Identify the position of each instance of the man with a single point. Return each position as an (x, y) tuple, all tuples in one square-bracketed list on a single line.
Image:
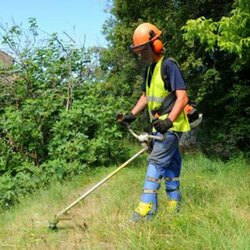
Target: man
[(164, 162)]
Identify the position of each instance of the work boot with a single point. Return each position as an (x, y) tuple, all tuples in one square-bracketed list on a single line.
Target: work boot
[(143, 212), (173, 206)]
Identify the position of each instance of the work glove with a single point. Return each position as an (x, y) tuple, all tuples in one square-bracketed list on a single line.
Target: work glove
[(162, 126), (127, 119)]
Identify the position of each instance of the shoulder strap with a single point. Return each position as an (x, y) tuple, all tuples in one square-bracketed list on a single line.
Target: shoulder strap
[(164, 73)]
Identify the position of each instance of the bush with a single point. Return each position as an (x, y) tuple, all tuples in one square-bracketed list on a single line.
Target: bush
[(55, 118)]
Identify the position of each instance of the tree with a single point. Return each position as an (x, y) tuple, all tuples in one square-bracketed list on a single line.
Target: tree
[(225, 101)]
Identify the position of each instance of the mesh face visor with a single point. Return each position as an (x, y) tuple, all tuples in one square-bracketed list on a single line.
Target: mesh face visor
[(143, 54)]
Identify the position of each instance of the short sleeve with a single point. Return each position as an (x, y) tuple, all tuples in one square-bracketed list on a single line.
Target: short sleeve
[(175, 76)]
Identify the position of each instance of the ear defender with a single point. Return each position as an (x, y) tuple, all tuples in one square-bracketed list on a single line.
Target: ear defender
[(157, 46)]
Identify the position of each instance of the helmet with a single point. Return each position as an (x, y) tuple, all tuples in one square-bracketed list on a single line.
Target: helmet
[(146, 33)]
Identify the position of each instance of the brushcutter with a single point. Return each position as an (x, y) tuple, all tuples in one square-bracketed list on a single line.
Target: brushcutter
[(144, 138)]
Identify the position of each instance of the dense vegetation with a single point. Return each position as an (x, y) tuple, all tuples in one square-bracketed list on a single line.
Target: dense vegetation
[(56, 117), (58, 101)]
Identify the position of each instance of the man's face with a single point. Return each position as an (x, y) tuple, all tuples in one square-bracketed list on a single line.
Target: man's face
[(144, 55)]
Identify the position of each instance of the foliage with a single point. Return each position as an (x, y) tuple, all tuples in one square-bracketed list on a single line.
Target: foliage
[(55, 115), (225, 101), (230, 34)]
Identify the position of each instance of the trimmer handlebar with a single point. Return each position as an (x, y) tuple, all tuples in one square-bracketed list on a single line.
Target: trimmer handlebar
[(145, 137)]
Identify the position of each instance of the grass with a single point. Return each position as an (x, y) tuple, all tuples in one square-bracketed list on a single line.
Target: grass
[(215, 213)]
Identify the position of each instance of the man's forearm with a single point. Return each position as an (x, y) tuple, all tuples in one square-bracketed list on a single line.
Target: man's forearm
[(140, 105), (180, 103)]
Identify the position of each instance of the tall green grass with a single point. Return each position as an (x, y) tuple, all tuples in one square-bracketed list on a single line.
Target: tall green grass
[(215, 212)]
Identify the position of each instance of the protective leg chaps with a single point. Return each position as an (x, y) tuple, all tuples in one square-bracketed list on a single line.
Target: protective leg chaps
[(172, 185)]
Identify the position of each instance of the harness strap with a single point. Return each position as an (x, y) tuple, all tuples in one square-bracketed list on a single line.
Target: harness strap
[(150, 191), (152, 179), (171, 179)]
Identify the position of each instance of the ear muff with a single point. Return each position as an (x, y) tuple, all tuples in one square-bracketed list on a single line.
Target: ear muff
[(157, 46)]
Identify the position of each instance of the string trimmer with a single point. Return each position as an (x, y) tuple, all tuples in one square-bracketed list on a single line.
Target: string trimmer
[(144, 138)]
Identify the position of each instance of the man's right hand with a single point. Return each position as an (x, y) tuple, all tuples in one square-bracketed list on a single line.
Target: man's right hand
[(127, 119)]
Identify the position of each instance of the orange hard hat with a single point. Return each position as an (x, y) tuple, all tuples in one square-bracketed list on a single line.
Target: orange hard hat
[(145, 33)]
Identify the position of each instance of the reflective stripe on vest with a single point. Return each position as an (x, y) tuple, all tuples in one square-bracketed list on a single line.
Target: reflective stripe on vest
[(155, 99), (156, 92)]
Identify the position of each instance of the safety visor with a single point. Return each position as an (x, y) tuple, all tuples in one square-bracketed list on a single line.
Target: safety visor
[(137, 49), (143, 54)]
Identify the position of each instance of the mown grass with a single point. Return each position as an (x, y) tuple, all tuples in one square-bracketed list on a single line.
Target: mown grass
[(215, 212)]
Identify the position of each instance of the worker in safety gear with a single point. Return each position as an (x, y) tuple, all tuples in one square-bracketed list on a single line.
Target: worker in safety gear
[(164, 161)]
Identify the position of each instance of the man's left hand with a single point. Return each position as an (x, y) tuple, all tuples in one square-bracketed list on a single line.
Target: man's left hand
[(163, 126)]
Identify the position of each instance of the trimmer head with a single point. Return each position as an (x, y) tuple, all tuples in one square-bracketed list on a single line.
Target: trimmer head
[(53, 224)]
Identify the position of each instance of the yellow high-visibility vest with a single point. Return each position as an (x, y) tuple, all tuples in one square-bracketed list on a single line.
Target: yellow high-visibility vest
[(156, 93)]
